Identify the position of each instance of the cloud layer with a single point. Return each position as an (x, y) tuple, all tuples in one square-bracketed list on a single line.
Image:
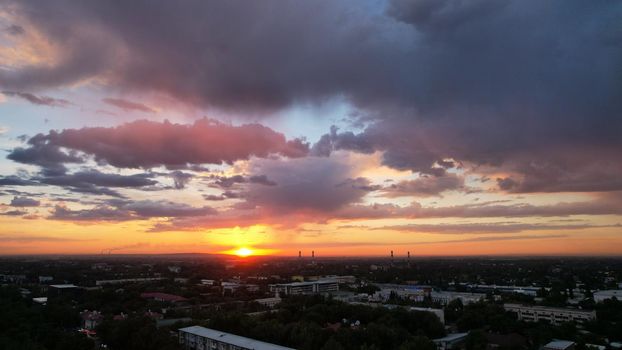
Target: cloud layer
[(149, 144)]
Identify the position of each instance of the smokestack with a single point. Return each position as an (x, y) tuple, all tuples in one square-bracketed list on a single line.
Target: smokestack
[(299, 254), (313, 253), (391, 254)]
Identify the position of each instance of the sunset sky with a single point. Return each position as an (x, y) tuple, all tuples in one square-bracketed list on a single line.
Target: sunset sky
[(348, 127)]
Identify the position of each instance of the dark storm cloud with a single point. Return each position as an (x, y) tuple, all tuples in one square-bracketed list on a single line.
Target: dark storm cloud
[(89, 181), (502, 83), (48, 156), (98, 183), (13, 180), (97, 178), (230, 54), (128, 106), (38, 100), (226, 182), (147, 144), (24, 202), (472, 57)]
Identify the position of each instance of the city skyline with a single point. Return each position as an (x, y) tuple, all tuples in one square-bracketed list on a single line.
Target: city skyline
[(345, 128)]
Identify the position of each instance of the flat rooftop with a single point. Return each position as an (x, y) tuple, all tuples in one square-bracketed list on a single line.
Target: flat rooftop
[(233, 339), (63, 286)]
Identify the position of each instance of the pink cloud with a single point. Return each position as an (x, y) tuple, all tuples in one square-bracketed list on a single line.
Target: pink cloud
[(147, 144)]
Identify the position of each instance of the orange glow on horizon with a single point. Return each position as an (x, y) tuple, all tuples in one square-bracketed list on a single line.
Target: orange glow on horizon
[(243, 252)]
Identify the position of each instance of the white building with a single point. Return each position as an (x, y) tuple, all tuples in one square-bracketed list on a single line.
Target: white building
[(553, 315), (603, 295), (314, 287), (201, 338)]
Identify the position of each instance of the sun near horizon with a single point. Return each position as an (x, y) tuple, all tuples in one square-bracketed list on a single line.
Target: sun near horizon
[(243, 252)]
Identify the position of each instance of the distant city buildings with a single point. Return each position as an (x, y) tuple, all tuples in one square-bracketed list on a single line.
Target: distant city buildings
[(201, 338), (164, 297), (128, 280), (553, 315)]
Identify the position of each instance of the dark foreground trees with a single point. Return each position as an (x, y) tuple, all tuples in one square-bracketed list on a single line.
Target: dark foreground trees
[(315, 322), (24, 326)]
